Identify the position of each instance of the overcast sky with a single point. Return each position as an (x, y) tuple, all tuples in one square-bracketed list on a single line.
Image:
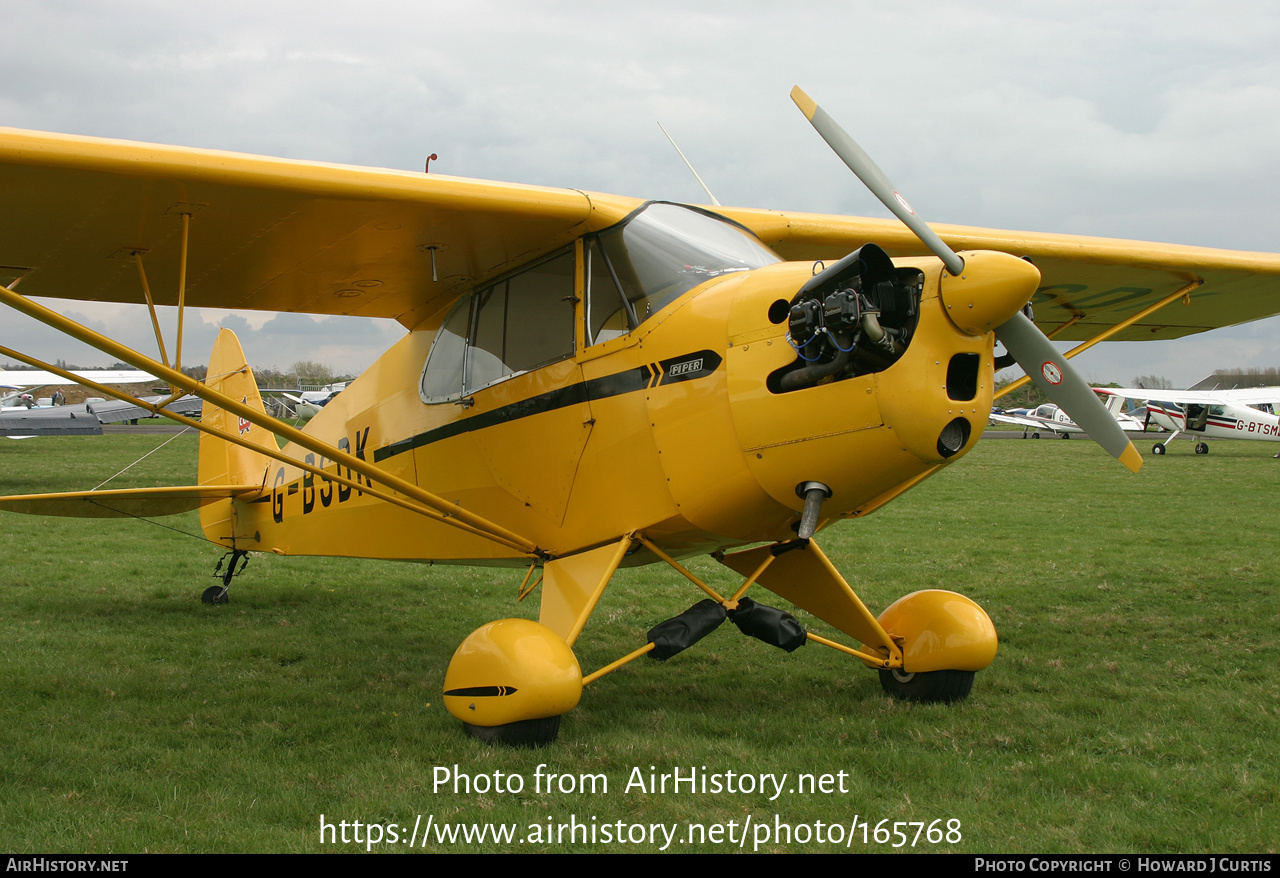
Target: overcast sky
[(1156, 121)]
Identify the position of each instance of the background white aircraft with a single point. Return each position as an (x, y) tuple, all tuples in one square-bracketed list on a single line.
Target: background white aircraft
[(1049, 417), (19, 381), (23, 415), (308, 404), (1210, 414)]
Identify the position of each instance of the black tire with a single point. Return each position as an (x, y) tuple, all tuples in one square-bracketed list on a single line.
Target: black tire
[(215, 594), (928, 687), (1157, 449), (1035, 435), (1066, 435), (524, 733), (1202, 448)]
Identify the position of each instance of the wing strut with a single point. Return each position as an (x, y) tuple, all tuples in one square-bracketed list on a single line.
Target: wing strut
[(182, 288), (1183, 293), (176, 379), (1075, 318), (182, 296), (151, 306)]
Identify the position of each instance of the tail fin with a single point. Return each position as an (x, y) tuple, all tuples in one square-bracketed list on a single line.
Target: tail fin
[(221, 462), (1115, 404)]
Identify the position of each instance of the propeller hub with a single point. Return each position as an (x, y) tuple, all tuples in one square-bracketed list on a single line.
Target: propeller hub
[(992, 288)]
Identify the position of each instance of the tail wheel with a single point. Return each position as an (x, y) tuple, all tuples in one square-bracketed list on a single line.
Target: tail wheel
[(215, 594), (1202, 448), (523, 733), (927, 686)]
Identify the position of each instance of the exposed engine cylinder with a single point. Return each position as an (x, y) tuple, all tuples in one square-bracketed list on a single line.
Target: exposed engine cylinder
[(854, 317)]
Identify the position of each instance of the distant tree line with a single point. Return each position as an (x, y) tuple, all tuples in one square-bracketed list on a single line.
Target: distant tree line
[(63, 364), (1253, 376), (304, 373), (1029, 396)]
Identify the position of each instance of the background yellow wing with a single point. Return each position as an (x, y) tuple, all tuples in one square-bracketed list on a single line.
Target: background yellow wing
[(1100, 280), (266, 233)]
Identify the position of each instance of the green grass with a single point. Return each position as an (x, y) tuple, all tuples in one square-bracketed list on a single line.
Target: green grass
[(1133, 706)]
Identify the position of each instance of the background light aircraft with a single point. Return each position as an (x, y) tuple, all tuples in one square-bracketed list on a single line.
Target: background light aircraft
[(590, 381), (23, 416), (1208, 414), (308, 403), (1051, 418), (87, 418), (19, 381), (299, 405)]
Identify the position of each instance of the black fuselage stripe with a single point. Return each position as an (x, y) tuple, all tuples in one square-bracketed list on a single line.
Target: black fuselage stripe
[(584, 391)]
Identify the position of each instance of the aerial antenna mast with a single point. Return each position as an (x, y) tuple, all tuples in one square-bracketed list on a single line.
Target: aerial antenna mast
[(691, 170)]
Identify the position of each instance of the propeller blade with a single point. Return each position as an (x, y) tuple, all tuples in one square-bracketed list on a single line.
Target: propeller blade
[(1063, 385), (1030, 348), (874, 179)]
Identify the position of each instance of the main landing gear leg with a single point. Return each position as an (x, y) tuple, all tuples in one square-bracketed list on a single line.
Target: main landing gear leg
[(927, 646), (1162, 447), (511, 680)]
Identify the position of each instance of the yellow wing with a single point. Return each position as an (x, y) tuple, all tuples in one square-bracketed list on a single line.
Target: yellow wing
[(266, 233), (1101, 281), (283, 235)]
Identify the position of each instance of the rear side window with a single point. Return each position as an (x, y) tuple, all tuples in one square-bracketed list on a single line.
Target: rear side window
[(511, 327)]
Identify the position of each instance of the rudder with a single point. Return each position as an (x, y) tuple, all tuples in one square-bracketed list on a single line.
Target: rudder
[(223, 462)]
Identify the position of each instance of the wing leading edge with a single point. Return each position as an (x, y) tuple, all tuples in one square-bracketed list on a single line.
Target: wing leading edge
[(1243, 396)]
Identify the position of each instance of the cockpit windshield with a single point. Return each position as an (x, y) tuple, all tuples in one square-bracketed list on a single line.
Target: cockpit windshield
[(656, 256), (526, 319)]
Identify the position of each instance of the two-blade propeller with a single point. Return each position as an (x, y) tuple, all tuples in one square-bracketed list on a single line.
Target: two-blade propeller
[(1030, 348)]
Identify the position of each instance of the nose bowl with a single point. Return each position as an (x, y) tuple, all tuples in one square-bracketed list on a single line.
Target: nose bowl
[(992, 288)]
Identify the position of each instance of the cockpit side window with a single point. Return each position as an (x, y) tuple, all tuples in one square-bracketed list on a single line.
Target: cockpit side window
[(515, 325), (442, 379), (608, 312), (539, 314)]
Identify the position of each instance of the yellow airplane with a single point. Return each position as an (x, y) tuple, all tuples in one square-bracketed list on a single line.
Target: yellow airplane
[(589, 381)]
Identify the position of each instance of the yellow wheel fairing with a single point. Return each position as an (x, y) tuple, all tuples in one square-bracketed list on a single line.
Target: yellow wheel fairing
[(511, 670), (940, 630)]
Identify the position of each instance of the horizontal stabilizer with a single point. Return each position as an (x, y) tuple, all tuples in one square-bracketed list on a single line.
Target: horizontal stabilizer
[(124, 503)]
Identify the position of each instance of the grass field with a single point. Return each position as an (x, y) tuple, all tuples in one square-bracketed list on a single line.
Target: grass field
[(1134, 705)]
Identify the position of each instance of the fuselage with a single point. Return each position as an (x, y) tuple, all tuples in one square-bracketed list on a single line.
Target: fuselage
[(1216, 420), (691, 417)]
